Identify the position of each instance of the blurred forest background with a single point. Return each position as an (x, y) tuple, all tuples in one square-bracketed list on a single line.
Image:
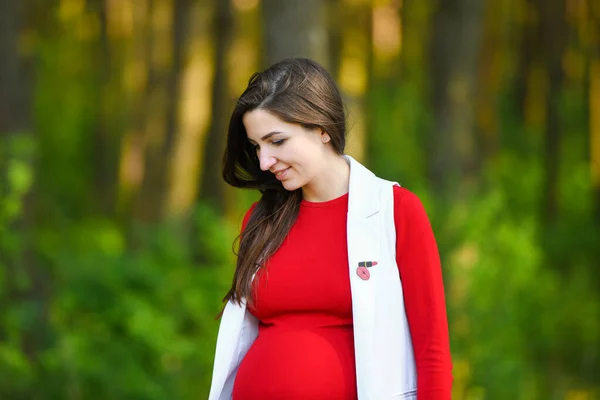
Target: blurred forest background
[(116, 230)]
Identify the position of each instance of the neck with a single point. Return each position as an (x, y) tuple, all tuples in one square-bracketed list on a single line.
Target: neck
[(332, 182)]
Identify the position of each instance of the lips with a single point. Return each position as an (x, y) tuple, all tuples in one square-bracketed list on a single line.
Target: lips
[(281, 174)]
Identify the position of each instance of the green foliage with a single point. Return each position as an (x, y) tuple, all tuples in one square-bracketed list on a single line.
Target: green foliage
[(125, 323), (518, 319)]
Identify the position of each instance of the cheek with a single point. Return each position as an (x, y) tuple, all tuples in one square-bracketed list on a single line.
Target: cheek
[(309, 156), (305, 156)]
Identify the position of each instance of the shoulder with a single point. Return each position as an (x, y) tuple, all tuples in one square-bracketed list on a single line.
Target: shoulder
[(404, 200), (404, 196), (407, 204)]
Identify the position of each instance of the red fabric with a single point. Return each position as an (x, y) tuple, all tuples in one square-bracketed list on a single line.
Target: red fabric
[(305, 345), (419, 264)]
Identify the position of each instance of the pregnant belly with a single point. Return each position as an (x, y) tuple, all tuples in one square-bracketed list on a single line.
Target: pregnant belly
[(298, 365)]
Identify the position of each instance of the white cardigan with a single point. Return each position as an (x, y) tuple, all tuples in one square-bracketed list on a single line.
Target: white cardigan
[(385, 365)]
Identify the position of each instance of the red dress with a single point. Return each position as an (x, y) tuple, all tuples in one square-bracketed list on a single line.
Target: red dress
[(304, 348)]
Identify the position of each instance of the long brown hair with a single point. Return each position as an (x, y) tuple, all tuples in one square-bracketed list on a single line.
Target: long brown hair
[(297, 90)]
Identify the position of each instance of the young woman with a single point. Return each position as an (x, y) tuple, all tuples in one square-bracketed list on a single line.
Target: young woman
[(338, 291)]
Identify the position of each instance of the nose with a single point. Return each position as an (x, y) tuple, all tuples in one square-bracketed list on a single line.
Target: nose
[(266, 161)]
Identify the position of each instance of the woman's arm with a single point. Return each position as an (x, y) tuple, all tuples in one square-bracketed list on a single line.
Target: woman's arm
[(420, 270)]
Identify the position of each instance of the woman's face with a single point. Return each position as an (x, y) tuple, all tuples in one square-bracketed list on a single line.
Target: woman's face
[(294, 154)]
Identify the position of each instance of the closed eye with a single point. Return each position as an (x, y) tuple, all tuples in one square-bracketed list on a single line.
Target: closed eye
[(274, 143)]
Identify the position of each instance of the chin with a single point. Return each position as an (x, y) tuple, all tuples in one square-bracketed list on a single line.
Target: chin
[(293, 184), (290, 186)]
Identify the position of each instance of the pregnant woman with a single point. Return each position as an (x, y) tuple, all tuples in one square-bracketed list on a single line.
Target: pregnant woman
[(337, 292)]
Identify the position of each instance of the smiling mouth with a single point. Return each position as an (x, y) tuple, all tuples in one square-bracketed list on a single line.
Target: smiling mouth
[(281, 174)]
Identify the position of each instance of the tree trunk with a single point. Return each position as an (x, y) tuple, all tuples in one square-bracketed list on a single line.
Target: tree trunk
[(456, 49), (527, 43), (211, 183), (179, 31), (490, 83), (554, 34), (105, 151), (295, 28), (593, 104), (335, 24), (161, 121), (26, 283), (593, 107), (132, 159), (354, 79), (14, 101)]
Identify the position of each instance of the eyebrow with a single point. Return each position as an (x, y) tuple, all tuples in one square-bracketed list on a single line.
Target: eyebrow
[(268, 135)]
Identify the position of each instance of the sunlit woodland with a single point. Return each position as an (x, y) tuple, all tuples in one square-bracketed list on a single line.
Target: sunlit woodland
[(117, 231)]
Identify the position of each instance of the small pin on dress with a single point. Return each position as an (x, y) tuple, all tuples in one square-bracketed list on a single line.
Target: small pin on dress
[(362, 270)]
